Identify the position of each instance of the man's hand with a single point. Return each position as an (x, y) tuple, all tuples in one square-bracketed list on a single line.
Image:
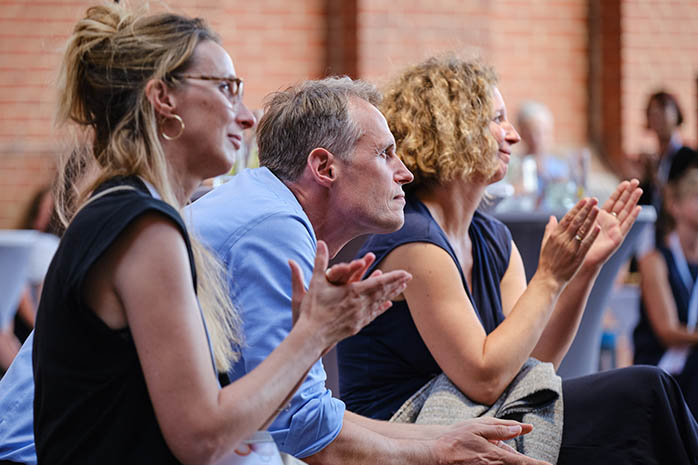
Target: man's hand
[(340, 310), (479, 442), (345, 273)]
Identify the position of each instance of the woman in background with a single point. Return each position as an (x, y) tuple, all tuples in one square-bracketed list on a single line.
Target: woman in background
[(666, 333), (41, 217)]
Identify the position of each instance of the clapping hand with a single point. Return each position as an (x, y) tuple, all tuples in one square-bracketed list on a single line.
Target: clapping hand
[(480, 441), (615, 219), (338, 303), (565, 244)]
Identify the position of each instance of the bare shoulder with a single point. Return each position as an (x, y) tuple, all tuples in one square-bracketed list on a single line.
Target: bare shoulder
[(149, 249), (418, 258), (434, 273)]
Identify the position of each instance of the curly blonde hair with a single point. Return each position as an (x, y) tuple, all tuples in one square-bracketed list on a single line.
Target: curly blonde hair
[(439, 112)]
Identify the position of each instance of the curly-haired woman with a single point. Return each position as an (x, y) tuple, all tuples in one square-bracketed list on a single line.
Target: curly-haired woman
[(468, 327)]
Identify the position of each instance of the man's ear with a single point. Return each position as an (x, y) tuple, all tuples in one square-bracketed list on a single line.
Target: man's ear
[(323, 166), (161, 98)]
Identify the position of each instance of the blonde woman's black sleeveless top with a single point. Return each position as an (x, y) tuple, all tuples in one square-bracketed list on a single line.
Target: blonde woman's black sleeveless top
[(91, 403)]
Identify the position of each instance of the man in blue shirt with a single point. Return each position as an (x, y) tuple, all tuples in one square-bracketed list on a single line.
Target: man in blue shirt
[(329, 172)]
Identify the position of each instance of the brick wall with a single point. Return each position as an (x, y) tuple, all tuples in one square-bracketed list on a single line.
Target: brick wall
[(540, 48), (272, 42), (391, 37), (28, 60)]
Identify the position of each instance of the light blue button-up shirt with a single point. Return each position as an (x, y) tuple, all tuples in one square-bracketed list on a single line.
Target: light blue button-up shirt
[(17, 408), (255, 225)]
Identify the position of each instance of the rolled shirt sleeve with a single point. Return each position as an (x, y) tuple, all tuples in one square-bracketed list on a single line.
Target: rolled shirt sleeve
[(261, 290)]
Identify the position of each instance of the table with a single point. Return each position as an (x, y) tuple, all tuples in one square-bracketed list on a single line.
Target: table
[(527, 231)]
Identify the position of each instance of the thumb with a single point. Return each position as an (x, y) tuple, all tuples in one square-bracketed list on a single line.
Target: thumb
[(549, 228), (297, 289), (321, 260), (500, 432)]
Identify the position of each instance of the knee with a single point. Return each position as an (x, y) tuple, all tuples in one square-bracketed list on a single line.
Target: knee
[(649, 374), (646, 380)]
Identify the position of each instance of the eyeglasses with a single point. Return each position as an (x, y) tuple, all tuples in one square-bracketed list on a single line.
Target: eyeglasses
[(231, 87)]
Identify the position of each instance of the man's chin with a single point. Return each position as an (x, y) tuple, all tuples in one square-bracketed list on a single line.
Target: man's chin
[(392, 225)]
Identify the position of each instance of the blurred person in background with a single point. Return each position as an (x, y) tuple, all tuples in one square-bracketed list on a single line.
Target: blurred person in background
[(40, 216), (666, 333), (541, 178), (537, 171), (664, 119)]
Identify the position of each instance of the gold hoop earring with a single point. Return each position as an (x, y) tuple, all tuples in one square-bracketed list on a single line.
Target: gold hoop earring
[(181, 129)]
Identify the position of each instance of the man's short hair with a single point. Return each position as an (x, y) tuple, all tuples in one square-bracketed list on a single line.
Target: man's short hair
[(307, 116)]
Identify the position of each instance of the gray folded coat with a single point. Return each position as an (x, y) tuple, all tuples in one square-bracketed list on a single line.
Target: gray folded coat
[(534, 396)]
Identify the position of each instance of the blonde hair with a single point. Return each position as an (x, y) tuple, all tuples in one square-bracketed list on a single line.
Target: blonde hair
[(109, 59), (439, 112)]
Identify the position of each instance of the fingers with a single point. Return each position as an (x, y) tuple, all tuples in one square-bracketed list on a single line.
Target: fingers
[(375, 273), (623, 199), (386, 293), (627, 215), (525, 427), (567, 219), (587, 242), (587, 225), (584, 216), (509, 455), (297, 283), (611, 201), (344, 273), (504, 445), (380, 289), (498, 432), (630, 219), (382, 281), (340, 273), (367, 260)]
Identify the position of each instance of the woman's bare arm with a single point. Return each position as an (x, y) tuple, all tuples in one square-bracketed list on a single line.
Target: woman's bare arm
[(148, 271), (660, 304), (483, 365), (615, 219)]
